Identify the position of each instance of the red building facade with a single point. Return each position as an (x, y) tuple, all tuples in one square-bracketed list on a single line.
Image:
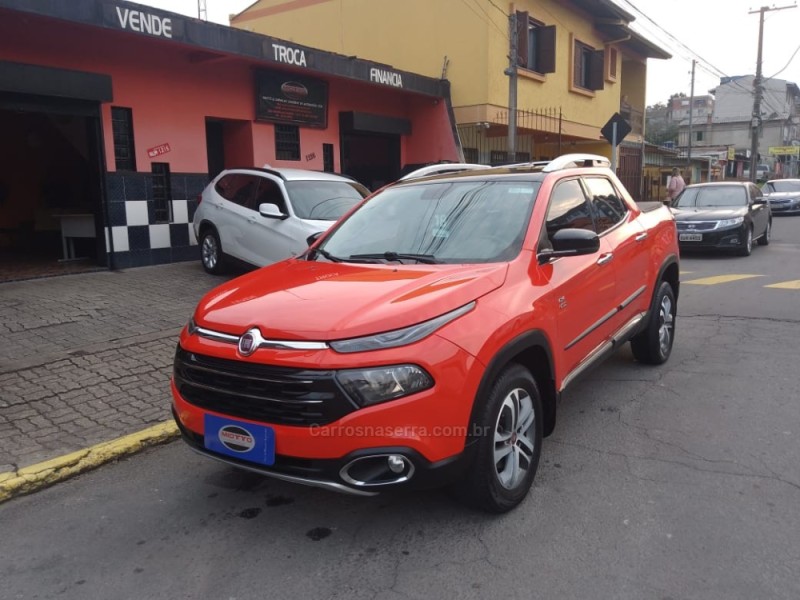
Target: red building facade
[(115, 116)]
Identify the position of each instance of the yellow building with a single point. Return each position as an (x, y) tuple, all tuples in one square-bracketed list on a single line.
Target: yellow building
[(579, 63)]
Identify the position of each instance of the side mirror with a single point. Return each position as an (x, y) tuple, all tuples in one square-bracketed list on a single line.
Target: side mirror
[(271, 211), (761, 200), (570, 242), (313, 238)]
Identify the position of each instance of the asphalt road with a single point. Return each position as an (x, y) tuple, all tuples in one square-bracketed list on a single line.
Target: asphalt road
[(668, 483)]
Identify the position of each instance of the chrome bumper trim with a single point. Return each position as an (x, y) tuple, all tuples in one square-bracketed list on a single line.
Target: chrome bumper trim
[(326, 485)]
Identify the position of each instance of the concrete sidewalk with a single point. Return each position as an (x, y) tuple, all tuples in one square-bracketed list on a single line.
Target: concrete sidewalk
[(85, 362)]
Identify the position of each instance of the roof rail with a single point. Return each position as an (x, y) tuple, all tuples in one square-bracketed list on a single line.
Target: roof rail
[(442, 168), (576, 160)]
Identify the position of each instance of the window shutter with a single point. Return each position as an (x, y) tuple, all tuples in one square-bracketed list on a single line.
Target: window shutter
[(523, 20), (595, 78), (577, 61), (547, 49)]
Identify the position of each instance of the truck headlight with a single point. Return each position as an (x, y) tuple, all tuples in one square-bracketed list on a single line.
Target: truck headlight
[(399, 337), (379, 384), (730, 222)]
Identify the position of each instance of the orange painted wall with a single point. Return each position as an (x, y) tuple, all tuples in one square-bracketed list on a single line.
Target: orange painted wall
[(172, 89)]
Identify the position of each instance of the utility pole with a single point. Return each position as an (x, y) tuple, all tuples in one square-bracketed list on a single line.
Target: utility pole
[(755, 124), (512, 87), (691, 119)]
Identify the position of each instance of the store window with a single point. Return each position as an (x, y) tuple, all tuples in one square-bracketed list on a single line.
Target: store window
[(122, 129), (162, 192), (287, 142)]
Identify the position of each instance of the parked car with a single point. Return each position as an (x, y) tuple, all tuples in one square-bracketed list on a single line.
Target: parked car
[(425, 339), (724, 215), (762, 173), (262, 216), (783, 196)]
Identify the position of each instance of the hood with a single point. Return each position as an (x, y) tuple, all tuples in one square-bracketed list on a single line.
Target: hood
[(709, 214), (783, 195), (308, 300)]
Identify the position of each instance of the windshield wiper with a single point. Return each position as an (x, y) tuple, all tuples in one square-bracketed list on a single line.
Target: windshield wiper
[(429, 259), (328, 255)]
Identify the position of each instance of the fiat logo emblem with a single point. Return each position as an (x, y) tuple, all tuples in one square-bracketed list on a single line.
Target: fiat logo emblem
[(249, 342)]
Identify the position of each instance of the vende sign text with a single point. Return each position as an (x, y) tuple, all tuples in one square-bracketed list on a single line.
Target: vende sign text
[(142, 22)]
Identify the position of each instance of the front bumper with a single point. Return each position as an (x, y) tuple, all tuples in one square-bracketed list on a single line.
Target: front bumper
[(732, 238), (428, 429), (786, 208), (327, 473)]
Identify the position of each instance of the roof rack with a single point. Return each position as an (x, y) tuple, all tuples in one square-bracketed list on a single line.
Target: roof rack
[(442, 168), (576, 160)]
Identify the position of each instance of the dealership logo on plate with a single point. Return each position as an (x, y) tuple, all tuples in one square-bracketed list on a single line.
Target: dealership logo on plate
[(236, 439)]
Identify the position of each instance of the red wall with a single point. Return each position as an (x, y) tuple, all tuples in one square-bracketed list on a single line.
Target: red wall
[(173, 88)]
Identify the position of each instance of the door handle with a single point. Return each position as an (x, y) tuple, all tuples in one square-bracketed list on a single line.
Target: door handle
[(641, 237), (605, 258)]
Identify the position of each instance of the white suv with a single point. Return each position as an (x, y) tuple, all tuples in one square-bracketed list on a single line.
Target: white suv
[(262, 216)]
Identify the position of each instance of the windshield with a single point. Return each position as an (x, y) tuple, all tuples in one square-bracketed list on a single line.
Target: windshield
[(452, 222), (711, 196), (783, 186), (324, 200)]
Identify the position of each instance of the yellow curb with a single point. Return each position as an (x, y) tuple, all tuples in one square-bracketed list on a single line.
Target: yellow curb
[(43, 474)]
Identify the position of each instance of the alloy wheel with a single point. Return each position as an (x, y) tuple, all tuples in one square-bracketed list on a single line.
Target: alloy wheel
[(666, 323), (514, 438), (210, 251)]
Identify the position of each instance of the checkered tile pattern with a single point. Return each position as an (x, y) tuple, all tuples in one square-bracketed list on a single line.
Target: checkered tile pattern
[(139, 234), (137, 237)]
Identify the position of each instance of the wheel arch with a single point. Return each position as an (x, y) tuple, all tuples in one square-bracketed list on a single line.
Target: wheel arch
[(205, 225), (531, 350), (669, 272)]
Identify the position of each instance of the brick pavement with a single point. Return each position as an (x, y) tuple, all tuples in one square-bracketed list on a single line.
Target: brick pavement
[(86, 358)]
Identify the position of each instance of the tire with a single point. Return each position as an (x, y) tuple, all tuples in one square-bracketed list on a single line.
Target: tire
[(211, 254), (747, 247), (765, 239), (509, 423), (653, 346)]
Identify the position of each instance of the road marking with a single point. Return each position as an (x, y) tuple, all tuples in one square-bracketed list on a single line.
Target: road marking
[(786, 285), (686, 272), (720, 279)]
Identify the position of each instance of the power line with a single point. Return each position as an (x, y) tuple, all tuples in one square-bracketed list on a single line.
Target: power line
[(787, 64), (483, 16), (717, 72)]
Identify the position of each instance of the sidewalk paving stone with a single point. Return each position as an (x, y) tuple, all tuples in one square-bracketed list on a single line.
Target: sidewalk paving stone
[(86, 358)]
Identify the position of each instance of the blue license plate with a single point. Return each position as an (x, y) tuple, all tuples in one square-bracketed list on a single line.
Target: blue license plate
[(254, 443)]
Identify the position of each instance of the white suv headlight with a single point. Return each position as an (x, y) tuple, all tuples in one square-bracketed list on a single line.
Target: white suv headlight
[(730, 222), (399, 337)]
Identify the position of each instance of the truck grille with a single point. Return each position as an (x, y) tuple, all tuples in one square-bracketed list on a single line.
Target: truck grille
[(264, 393)]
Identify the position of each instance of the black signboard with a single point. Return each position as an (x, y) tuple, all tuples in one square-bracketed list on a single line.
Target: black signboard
[(292, 99), (623, 128)]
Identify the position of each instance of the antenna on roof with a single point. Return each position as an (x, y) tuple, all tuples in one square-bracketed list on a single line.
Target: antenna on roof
[(202, 13)]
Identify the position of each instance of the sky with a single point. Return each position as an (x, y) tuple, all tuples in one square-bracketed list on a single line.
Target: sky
[(720, 35)]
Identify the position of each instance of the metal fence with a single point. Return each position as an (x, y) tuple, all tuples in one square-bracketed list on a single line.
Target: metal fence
[(538, 137)]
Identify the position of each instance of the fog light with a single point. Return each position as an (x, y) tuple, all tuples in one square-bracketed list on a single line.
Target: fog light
[(396, 463)]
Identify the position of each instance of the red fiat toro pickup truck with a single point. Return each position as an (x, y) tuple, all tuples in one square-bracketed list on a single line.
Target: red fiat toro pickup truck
[(426, 338)]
